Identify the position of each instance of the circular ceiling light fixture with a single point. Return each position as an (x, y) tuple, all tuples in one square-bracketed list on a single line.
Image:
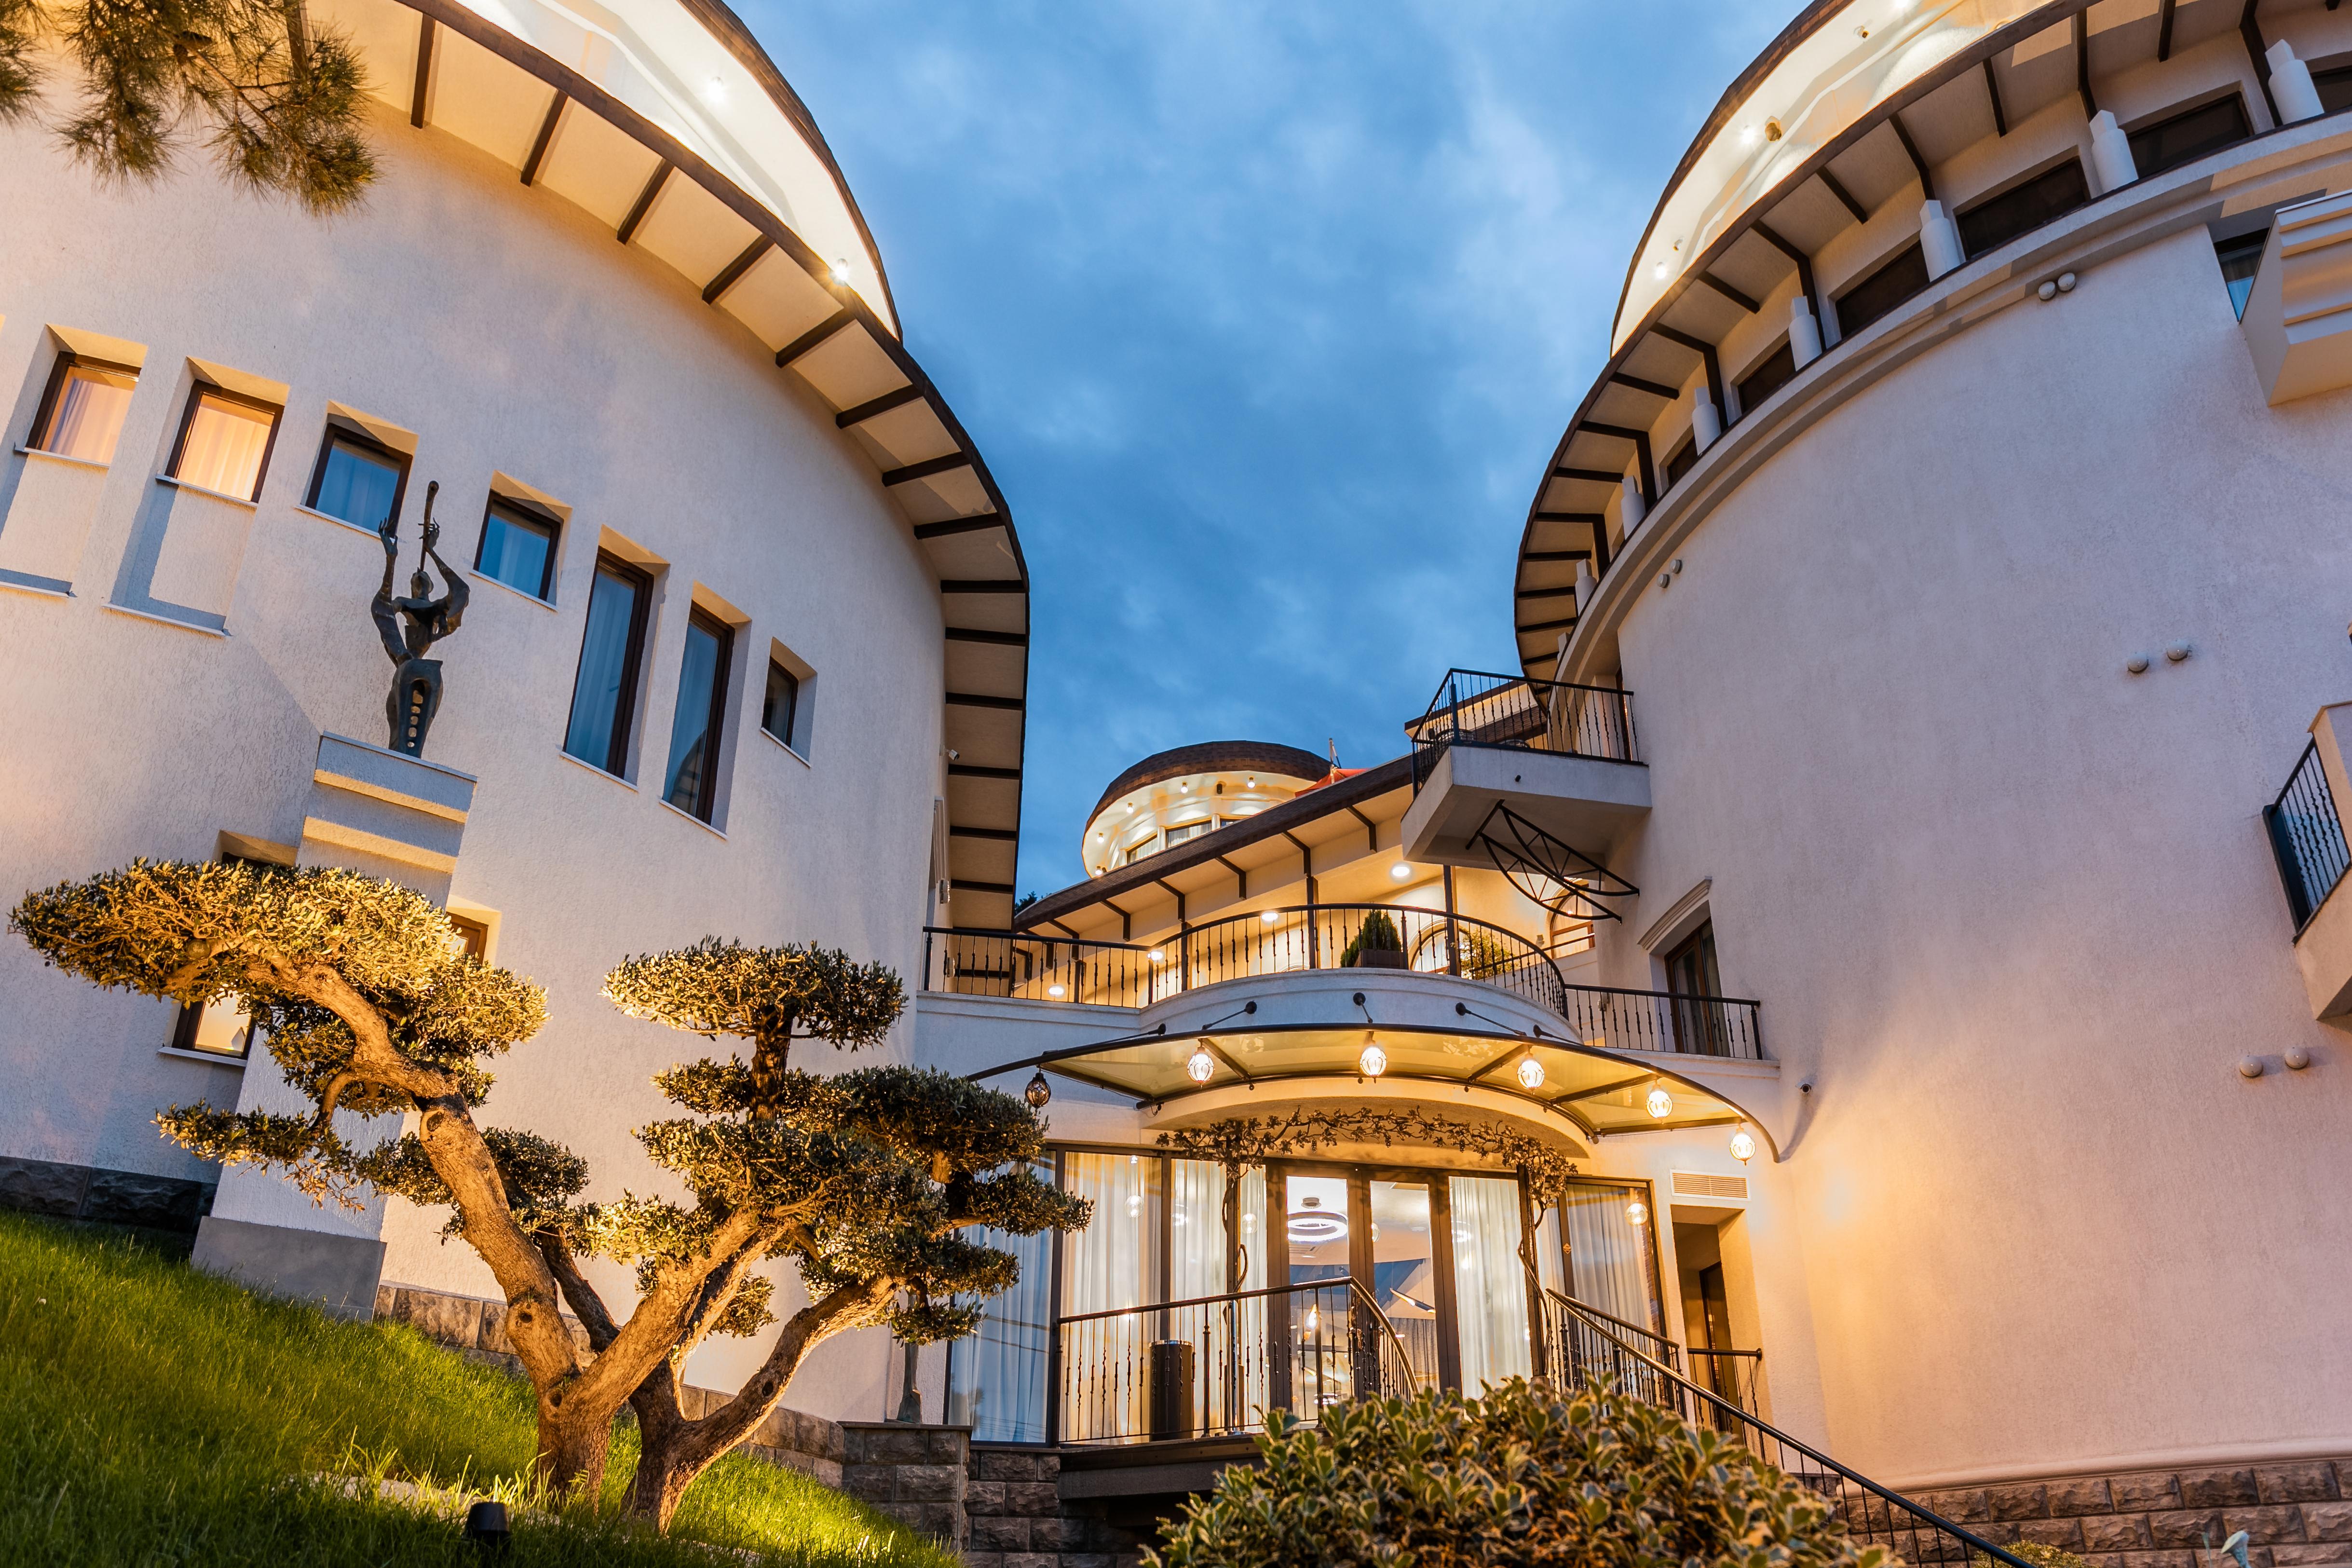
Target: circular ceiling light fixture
[(1038, 1092), (1158, 955), (841, 269), (1660, 1104), (1268, 917), (1201, 1066), (1530, 1072), (1743, 1146), (1313, 1227), (1057, 991), (1373, 1061), (1400, 871)]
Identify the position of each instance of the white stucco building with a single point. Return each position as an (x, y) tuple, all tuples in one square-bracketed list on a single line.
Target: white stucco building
[(744, 647)]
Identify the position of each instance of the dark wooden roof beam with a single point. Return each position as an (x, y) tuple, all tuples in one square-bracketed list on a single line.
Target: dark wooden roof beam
[(993, 835), (946, 527), (877, 407), (1533, 626), (1655, 389), (545, 139), (1728, 291), (975, 700), (999, 639), (927, 467), (1829, 181), (1992, 83), (974, 771), (1911, 151), (982, 585), (645, 202), (1591, 476), (732, 273), (815, 336)]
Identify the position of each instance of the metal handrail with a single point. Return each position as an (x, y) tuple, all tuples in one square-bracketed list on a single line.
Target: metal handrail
[(1959, 1543), (2306, 834), (1483, 708)]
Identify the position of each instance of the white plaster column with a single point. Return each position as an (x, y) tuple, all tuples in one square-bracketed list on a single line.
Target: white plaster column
[(1804, 333), (2291, 87), (2111, 154), (1939, 239), (1705, 422)]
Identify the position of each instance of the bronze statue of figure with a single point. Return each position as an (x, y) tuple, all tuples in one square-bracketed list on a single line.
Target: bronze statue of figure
[(416, 679)]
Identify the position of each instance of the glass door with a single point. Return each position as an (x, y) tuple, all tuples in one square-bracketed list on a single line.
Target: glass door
[(1404, 1267), (1320, 1237)]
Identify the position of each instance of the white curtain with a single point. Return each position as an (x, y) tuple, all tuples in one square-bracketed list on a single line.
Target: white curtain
[(223, 451), (1108, 1265), (996, 1379), (88, 418), (1610, 1258), (1490, 1285)]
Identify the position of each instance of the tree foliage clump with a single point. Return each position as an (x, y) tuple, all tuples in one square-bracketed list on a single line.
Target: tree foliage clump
[(866, 1182), (1527, 1475), (279, 99)]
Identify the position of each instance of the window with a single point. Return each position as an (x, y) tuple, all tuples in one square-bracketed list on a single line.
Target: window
[(2028, 205), (1690, 967), (1681, 460), (1149, 844), (1770, 373), (1701, 1027), (780, 709), (357, 479), (222, 1027), (225, 442), (1189, 830), (2239, 258), (2187, 136), (605, 693), (82, 408), (470, 937), (2335, 87), (1897, 278), (517, 547), (700, 723)]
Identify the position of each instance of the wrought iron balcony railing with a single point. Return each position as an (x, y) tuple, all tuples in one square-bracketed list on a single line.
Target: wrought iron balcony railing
[(1477, 708), (2307, 836)]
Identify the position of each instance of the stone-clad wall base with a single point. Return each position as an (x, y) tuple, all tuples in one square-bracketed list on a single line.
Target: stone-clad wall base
[(2295, 1515), (1018, 1519), (97, 1196), (917, 1475), (790, 1439)]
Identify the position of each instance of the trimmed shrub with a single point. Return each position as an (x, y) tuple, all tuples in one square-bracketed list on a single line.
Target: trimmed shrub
[(1377, 934), (1527, 1475)]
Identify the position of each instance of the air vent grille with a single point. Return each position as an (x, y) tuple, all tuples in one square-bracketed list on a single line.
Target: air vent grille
[(1704, 1184)]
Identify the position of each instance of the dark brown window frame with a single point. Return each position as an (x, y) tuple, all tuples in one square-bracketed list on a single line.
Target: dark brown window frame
[(1749, 405), (714, 734), (2011, 186), (340, 430), (533, 511), (1885, 264), (2230, 94), (198, 390), (624, 729), (792, 707), (37, 438)]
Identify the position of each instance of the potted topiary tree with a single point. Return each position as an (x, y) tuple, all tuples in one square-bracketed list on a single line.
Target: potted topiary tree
[(1377, 944)]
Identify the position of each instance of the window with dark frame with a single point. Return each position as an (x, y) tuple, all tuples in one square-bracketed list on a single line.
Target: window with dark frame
[(1768, 375), (2241, 257), (1681, 460), (224, 441), (1896, 279), (2335, 86), (471, 936), (220, 1028), (780, 709), (701, 724), (1997, 219), (358, 479), (518, 546), (1692, 975), (612, 648), (82, 408), (2187, 136)]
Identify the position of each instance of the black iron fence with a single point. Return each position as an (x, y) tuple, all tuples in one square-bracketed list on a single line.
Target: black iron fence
[(2307, 836), (1686, 1025), (1335, 936), (1592, 1346), (1476, 708), (1212, 1366)]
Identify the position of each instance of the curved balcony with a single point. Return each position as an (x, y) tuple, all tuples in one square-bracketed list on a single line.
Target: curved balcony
[(1385, 938)]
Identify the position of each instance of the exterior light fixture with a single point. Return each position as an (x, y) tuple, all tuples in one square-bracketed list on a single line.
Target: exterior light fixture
[(1374, 1061), (1038, 1092), (1186, 787), (841, 269), (1251, 781), (1637, 1213), (1749, 137), (1661, 1104), (1400, 871), (1743, 1146), (1130, 809), (1268, 917), (1659, 272), (1201, 1066), (1159, 955), (1314, 1320), (1057, 991), (1531, 1072)]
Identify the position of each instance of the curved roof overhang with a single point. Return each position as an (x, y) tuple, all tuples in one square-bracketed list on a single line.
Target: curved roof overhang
[(1586, 1093), (612, 107), (1717, 205)]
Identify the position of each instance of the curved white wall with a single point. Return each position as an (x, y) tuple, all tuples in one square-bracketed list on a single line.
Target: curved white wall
[(506, 329), (2012, 909)]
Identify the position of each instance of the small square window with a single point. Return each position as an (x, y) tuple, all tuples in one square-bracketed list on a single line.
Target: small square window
[(780, 709), (469, 937), (225, 442), (2187, 136), (1893, 281), (82, 408), (357, 479), (1682, 460), (517, 547), (1766, 376)]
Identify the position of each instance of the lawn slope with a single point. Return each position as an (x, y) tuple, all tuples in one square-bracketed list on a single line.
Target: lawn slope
[(152, 1414)]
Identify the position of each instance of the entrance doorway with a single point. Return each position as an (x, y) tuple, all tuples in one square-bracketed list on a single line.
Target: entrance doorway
[(1374, 1230)]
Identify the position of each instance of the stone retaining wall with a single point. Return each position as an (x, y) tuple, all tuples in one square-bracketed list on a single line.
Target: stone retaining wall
[(2295, 1515), (1019, 1520), (917, 1475), (792, 1439), (92, 1195)]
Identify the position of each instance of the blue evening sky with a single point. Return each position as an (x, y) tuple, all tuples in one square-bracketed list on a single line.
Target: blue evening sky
[(1265, 318)]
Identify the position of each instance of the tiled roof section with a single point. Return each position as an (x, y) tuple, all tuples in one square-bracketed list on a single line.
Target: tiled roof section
[(1215, 757)]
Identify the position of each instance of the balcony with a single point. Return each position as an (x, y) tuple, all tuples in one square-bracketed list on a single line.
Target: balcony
[(2306, 824), (1548, 758)]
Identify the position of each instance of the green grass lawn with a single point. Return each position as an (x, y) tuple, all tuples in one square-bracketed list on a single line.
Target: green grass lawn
[(152, 1414)]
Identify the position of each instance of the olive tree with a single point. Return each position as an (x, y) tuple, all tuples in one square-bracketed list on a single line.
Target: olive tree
[(279, 99), (865, 1180)]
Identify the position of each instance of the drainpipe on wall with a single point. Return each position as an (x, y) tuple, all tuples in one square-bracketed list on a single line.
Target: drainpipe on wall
[(1804, 333), (2111, 154), (1939, 239), (2291, 84)]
